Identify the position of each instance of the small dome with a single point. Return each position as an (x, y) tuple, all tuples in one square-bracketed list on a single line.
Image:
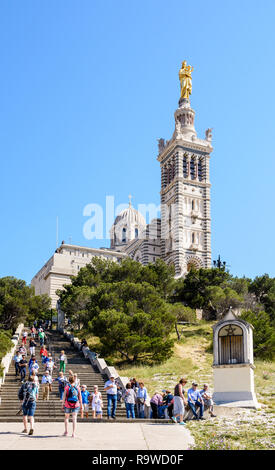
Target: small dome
[(128, 225), (130, 216)]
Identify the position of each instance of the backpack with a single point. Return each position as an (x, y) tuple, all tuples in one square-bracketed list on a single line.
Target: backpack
[(25, 392), (73, 394)]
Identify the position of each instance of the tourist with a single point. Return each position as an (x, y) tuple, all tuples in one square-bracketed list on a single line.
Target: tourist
[(46, 359), (141, 399), (17, 358), (134, 384), (71, 404), (155, 402), (23, 350), (35, 378), (168, 400), (76, 380), (111, 389), (97, 403), (208, 401), (43, 354), (85, 400), (23, 366), (41, 336), (129, 396), (50, 365), (33, 364), (28, 395), (179, 402), (46, 385), (164, 411), (119, 392), (33, 332), (32, 345), (62, 361), (24, 338), (195, 399), (62, 382)]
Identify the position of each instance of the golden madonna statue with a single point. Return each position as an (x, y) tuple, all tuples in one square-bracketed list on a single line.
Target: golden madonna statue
[(185, 80)]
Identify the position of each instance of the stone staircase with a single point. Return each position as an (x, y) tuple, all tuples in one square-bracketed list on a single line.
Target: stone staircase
[(50, 411)]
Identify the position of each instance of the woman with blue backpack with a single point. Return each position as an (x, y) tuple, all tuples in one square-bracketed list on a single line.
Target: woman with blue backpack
[(71, 404)]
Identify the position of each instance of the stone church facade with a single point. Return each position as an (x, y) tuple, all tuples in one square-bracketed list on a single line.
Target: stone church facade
[(181, 236)]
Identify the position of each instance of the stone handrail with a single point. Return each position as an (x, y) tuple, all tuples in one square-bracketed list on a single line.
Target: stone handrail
[(94, 360), (102, 366)]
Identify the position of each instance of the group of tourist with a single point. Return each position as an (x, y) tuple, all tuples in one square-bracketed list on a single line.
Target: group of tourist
[(166, 405), (76, 398)]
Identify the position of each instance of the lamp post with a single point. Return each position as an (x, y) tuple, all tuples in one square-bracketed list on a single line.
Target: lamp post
[(219, 264)]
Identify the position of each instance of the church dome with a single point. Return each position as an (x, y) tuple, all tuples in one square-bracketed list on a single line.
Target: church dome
[(128, 225), (130, 216)]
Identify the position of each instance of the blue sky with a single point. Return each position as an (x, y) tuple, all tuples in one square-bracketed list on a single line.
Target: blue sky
[(88, 87)]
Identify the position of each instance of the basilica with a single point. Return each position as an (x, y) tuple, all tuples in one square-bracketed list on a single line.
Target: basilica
[(181, 236)]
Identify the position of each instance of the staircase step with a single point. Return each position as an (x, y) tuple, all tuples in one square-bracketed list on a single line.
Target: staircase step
[(50, 411)]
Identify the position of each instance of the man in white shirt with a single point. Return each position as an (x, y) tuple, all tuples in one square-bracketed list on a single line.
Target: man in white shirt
[(17, 358), (111, 389), (46, 383)]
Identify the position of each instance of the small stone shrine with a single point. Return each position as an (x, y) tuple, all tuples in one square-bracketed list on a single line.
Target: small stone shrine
[(233, 365)]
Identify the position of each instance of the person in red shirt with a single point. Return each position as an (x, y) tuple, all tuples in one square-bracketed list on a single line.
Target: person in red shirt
[(43, 352)]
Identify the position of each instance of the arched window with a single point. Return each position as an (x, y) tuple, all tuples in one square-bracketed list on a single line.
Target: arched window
[(124, 232), (193, 204), (231, 350), (136, 232), (200, 174), (193, 238), (184, 167), (192, 169)]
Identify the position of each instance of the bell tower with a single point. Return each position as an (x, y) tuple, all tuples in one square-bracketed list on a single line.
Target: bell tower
[(185, 188)]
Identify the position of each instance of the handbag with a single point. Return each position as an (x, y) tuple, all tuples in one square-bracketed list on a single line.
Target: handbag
[(140, 401)]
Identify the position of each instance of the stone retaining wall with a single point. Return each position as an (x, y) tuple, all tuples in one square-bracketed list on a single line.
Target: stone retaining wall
[(6, 361)]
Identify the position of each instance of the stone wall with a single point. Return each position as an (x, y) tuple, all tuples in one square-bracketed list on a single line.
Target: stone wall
[(7, 359)]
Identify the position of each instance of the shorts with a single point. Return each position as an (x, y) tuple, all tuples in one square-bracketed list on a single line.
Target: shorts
[(71, 410), (86, 407), (98, 412), (29, 408)]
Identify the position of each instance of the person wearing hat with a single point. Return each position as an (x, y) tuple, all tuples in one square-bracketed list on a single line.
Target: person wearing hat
[(110, 388), (195, 399), (46, 383)]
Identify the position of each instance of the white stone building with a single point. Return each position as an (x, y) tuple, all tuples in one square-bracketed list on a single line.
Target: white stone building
[(65, 263)]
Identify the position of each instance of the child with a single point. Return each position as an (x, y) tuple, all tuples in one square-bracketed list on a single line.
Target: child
[(97, 403), (85, 400)]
